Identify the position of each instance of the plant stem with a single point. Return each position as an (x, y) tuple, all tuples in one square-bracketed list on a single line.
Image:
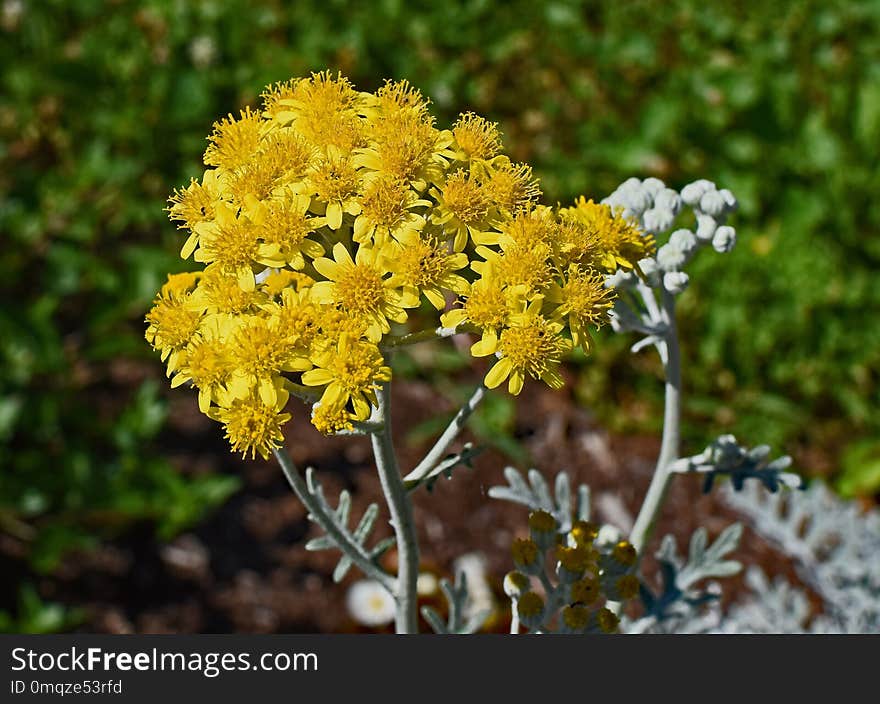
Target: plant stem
[(436, 453), (413, 338), (669, 447), (354, 551), (406, 620)]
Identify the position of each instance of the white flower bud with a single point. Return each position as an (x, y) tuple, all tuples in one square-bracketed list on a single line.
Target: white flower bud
[(730, 199), (657, 220), (706, 226), (649, 268), (670, 258), (675, 281), (668, 199), (724, 239), (692, 193), (620, 279), (713, 203), (684, 240), (638, 200), (631, 182), (653, 186)]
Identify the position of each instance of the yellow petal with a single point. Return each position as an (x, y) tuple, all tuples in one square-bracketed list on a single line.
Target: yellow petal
[(189, 246), (484, 347), (515, 383), (267, 392), (327, 268), (334, 216), (341, 255), (317, 377), (498, 373)]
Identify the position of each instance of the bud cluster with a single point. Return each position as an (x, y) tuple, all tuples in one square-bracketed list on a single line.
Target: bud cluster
[(585, 573)]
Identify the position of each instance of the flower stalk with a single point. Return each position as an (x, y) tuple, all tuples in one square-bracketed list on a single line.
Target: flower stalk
[(400, 507), (669, 448)]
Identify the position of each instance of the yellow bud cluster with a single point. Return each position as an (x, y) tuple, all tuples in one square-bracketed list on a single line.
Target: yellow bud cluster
[(328, 213), (589, 574)]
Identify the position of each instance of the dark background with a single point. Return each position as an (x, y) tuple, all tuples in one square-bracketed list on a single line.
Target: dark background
[(120, 506)]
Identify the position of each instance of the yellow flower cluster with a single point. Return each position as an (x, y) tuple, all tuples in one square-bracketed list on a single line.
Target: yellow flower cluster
[(326, 215)]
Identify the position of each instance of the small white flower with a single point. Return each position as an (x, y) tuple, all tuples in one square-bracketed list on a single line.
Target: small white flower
[(370, 604), (427, 584)]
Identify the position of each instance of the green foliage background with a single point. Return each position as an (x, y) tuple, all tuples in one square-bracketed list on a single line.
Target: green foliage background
[(105, 105)]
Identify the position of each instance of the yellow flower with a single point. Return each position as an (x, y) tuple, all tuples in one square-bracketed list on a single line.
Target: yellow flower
[(487, 305), (359, 288), (511, 187), (350, 372), (195, 203), (476, 137), (531, 345), (234, 141), (527, 268), (335, 182), (577, 243), (329, 420), (463, 207), (254, 425), (259, 353), (219, 292), (322, 108), (172, 322), (534, 227), (403, 143), (621, 241), (230, 241), (282, 159), (276, 282), (207, 362), (283, 228), (424, 265), (387, 210), (583, 300), (296, 319)]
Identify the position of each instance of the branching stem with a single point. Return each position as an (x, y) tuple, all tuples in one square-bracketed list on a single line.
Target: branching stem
[(438, 452)]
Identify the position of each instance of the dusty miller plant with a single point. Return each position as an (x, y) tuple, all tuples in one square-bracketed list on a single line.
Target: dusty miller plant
[(335, 226)]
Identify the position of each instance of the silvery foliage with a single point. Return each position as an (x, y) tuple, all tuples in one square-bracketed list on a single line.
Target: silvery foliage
[(836, 549), (536, 496), (679, 606), (457, 598), (339, 517), (726, 457)]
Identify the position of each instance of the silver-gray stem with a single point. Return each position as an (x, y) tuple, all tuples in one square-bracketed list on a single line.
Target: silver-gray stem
[(669, 448), (437, 453), (400, 507)]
